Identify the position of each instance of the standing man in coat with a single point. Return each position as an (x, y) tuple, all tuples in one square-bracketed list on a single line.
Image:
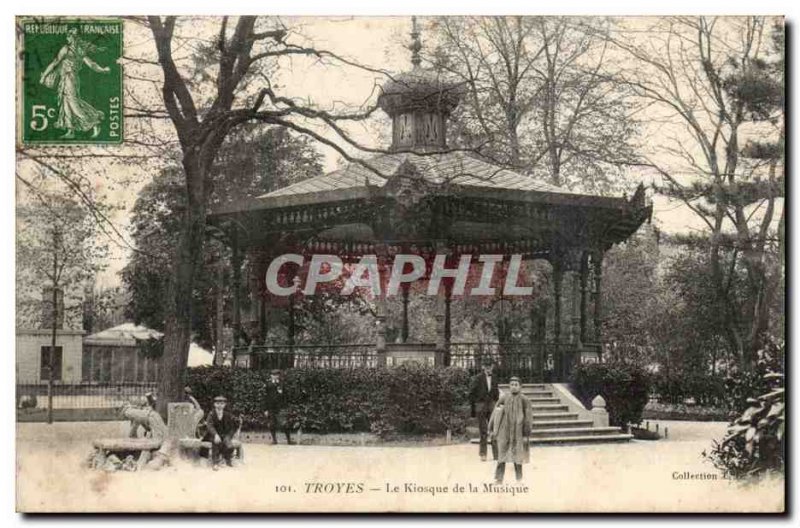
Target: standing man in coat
[(221, 427), (274, 402), (511, 427), (483, 394)]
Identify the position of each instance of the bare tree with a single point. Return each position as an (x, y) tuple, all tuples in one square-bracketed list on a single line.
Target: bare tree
[(58, 248), (709, 79), (541, 95), (237, 90), (494, 59)]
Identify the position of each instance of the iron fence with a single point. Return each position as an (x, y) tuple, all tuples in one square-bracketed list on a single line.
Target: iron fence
[(81, 395), (533, 362), (319, 356), (542, 362)]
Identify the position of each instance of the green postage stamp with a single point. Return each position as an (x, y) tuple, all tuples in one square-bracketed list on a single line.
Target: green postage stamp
[(72, 81)]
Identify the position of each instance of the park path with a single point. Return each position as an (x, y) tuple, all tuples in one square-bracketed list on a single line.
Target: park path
[(667, 476)]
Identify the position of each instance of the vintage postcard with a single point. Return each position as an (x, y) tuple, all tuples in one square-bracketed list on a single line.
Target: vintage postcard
[(461, 264)]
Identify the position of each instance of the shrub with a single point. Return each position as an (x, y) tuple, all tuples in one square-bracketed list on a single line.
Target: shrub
[(741, 385), (625, 387), (406, 399), (676, 386), (755, 444)]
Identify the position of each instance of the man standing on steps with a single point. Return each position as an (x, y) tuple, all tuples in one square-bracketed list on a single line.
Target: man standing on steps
[(511, 429), (483, 394)]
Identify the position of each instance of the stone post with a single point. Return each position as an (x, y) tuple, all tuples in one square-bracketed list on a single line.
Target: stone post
[(599, 413)]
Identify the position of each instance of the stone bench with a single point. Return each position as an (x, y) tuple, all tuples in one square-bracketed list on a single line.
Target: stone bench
[(193, 446), (142, 449), (179, 434), (197, 443), (121, 445)]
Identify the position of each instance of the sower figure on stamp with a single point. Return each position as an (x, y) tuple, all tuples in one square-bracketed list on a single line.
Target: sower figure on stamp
[(274, 402), (511, 430), (483, 394), (63, 75), (221, 427)]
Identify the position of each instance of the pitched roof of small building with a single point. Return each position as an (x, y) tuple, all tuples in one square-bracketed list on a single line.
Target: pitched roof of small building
[(125, 334)]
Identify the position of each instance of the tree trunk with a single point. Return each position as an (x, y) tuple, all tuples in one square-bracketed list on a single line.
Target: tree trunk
[(54, 334), (730, 319), (758, 304), (220, 314), (515, 157), (178, 320)]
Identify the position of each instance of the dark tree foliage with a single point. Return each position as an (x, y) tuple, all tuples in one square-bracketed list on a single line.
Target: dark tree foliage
[(254, 161), (624, 386)]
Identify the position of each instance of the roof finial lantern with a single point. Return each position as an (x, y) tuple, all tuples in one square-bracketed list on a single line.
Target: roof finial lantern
[(419, 102)]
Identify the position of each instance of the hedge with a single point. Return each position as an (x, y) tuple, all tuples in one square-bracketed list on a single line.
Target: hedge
[(678, 385), (406, 399), (625, 387)]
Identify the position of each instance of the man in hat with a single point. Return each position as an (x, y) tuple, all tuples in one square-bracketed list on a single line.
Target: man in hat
[(274, 402), (221, 427), (511, 430), (483, 394)]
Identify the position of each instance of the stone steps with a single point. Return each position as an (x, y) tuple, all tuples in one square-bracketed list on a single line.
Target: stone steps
[(575, 431), (582, 439), (559, 424), (545, 400), (549, 407), (553, 423), (553, 416)]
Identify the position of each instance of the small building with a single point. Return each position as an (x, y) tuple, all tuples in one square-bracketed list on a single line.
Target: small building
[(35, 320), (32, 355), (113, 355), (116, 355)]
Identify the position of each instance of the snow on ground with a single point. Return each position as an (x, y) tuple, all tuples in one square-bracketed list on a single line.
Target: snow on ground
[(666, 475)]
